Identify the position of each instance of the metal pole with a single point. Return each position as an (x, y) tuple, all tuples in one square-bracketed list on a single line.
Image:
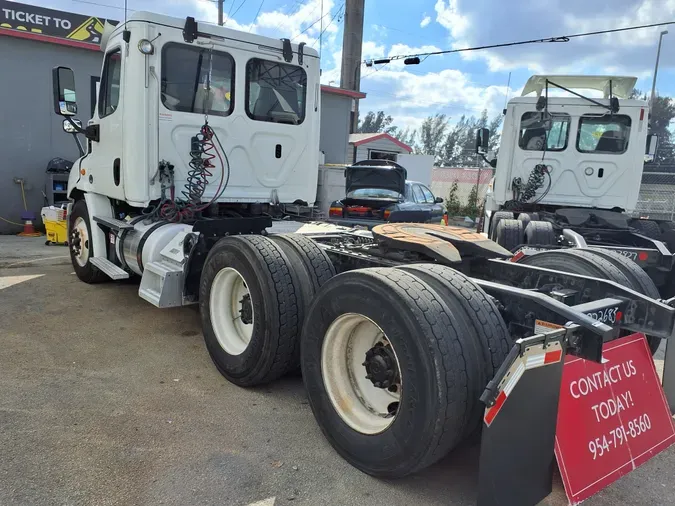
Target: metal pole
[(352, 41), (656, 67), (220, 12)]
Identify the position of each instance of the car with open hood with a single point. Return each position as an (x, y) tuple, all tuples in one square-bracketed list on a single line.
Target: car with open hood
[(377, 191)]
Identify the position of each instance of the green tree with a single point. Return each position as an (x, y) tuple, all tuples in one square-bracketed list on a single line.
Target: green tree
[(471, 208), (407, 136), (661, 114), (452, 203), (376, 122), (431, 135)]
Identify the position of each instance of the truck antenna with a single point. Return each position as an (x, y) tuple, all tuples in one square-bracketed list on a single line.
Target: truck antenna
[(506, 96)]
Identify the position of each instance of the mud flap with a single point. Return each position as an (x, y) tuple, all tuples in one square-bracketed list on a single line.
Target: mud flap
[(516, 457)]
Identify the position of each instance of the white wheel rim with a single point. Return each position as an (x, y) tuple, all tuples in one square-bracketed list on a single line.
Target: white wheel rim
[(360, 404), (226, 301), (80, 229)]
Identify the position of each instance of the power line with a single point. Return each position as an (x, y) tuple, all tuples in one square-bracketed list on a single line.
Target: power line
[(562, 38), (328, 25), (310, 26), (103, 5), (256, 15), (236, 10)]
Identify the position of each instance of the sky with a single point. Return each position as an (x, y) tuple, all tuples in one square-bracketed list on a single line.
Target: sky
[(452, 84)]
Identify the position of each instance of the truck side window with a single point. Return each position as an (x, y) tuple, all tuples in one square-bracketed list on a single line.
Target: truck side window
[(275, 92), (603, 134), (539, 129), (109, 90), (185, 80)]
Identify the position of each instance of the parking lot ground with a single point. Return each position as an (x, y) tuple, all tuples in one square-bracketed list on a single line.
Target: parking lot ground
[(105, 399)]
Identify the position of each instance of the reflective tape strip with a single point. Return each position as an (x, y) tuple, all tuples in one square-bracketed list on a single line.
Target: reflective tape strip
[(491, 413), (510, 385), (518, 368)]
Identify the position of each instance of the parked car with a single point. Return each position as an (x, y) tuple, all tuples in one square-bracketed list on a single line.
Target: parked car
[(377, 191)]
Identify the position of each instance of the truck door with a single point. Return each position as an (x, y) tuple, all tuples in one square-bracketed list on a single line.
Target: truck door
[(102, 165)]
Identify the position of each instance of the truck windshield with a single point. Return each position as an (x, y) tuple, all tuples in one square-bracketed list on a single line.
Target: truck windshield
[(539, 129), (603, 134), (275, 92)]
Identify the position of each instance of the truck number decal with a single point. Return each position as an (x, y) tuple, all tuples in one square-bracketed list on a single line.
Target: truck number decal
[(628, 254), (605, 315)]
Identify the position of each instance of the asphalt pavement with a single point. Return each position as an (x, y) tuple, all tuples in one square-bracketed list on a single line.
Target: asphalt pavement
[(107, 400)]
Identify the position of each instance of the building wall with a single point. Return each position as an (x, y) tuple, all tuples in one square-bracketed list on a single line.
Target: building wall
[(334, 136), (31, 133), (377, 145)]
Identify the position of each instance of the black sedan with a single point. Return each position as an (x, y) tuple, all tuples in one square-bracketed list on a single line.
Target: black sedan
[(377, 191)]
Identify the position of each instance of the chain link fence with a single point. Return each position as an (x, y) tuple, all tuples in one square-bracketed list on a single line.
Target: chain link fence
[(467, 178), (657, 192)]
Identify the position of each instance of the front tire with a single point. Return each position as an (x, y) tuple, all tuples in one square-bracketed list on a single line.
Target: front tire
[(80, 244), (248, 300)]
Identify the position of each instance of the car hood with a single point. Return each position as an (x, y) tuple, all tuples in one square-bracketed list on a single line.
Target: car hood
[(375, 174)]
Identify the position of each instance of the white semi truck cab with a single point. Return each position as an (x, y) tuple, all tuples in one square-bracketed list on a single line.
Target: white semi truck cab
[(593, 148), (163, 79), (569, 172)]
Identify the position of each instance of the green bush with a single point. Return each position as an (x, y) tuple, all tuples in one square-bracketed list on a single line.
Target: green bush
[(452, 203)]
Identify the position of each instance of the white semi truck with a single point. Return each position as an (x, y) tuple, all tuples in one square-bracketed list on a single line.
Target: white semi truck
[(406, 335), (569, 173)]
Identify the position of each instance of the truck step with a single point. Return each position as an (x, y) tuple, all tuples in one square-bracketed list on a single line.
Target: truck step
[(109, 268), (112, 223)]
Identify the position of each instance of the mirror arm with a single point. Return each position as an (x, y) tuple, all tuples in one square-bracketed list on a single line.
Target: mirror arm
[(78, 128), (492, 163), (79, 144)]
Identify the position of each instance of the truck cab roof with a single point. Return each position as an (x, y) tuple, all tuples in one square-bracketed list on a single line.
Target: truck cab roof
[(204, 27), (621, 86)]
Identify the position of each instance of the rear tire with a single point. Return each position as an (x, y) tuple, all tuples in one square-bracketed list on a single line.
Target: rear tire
[(81, 246), (525, 218), (540, 233), (486, 341), (313, 268), (509, 234), (638, 278), (270, 316), (430, 417), (589, 263), (647, 227), (496, 218)]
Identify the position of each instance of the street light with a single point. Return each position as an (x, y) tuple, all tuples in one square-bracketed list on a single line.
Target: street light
[(656, 66)]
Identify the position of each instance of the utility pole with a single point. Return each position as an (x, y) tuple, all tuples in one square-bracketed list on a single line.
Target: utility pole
[(656, 67), (220, 12), (352, 41)]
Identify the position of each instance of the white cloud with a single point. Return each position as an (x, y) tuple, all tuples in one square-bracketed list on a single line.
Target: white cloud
[(448, 15), (471, 23), (425, 21)]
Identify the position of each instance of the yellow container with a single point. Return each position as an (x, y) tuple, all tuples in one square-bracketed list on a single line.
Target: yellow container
[(57, 231)]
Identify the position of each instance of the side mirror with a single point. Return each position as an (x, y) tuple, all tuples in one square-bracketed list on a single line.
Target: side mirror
[(651, 148), (482, 140), (63, 85), (439, 200), (69, 128)]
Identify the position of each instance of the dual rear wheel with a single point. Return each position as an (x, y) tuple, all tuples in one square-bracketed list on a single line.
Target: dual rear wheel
[(393, 360)]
